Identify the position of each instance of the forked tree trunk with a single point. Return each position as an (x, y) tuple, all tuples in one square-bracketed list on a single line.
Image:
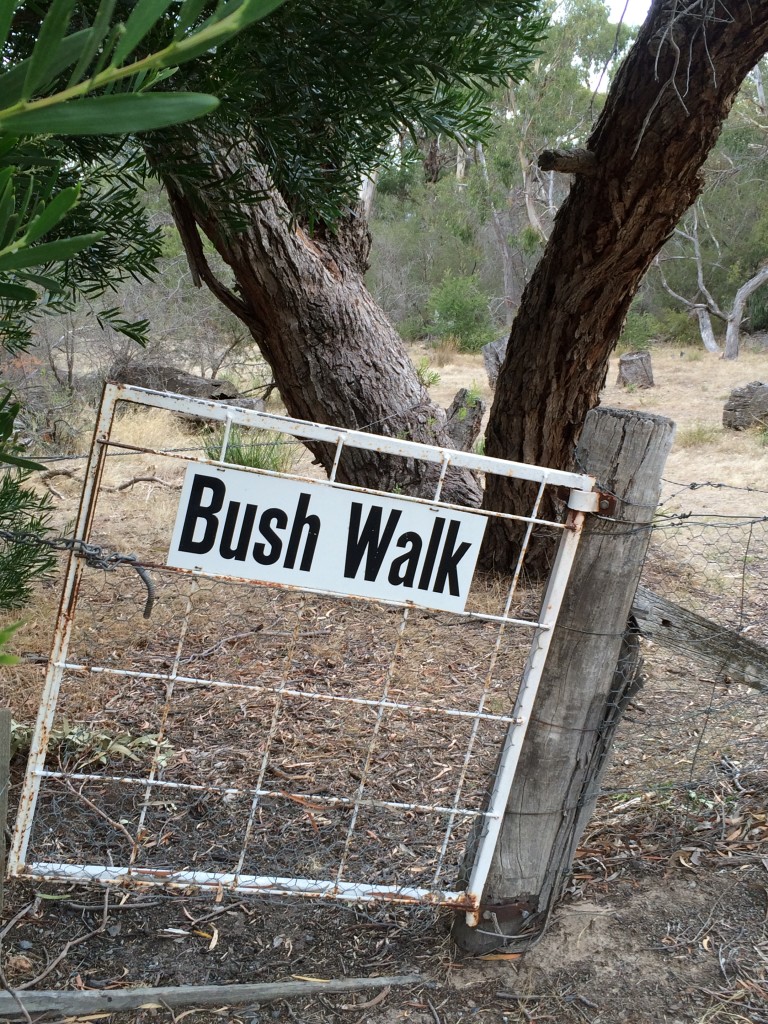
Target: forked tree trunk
[(334, 355), (662, 117)]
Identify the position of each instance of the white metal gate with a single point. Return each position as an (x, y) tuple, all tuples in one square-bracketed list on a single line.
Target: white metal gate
[(350, 753)]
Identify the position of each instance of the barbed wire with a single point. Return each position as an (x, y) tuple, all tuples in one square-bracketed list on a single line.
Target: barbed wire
[(715, 485)]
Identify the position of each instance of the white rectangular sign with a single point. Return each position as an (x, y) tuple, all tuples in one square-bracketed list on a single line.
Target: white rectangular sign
[(299, 534)]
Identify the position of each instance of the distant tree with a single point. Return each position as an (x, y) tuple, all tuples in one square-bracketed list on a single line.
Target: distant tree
[(714, 262)]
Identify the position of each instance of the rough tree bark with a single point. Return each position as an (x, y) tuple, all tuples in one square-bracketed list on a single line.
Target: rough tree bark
[(334, 355), (661, 118)]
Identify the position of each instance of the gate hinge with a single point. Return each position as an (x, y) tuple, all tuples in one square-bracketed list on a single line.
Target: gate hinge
[(506, 912), (606, 504)]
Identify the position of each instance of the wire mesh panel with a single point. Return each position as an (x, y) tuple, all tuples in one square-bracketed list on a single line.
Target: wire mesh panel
[(300, 732)]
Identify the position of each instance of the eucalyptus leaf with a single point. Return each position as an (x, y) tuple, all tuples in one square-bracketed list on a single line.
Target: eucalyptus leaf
[(49, 283), (13, 81), (52, 32), (47, 252), (51, 214), (97, 33), (216, 32), (16, 292), (21, 463), (111, 115), (188, 14), (143, 17), (7, 10)]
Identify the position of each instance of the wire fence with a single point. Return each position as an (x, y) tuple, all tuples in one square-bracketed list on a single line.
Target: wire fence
[(693, 723)]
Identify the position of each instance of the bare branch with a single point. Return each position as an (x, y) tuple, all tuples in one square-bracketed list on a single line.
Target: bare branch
[(568, 161)]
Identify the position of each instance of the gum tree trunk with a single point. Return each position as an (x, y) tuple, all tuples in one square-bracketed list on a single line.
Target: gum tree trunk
[(334, 355), (642, 171)]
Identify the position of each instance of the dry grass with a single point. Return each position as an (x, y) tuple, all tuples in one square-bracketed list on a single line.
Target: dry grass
[(697, 435)]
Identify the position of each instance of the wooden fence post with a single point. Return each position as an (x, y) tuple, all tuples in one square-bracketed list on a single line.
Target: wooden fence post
[(592, 668)]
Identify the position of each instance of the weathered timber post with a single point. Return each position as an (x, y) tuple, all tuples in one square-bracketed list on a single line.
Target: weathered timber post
[(591, 670)]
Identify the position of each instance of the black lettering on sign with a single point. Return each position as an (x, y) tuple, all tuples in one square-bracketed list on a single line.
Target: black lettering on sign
[(368, 543), (240, 550), (198, 510), (432, 549), (402, 572), (301, 520), (262, 554), (449, 560)]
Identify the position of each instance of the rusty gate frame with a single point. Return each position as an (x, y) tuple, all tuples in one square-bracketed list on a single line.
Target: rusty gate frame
[(583, 498)]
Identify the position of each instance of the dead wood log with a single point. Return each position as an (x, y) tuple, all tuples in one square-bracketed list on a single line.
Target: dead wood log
[(23, 1003), (728, 654), (169, 378), (493, 357), (747, 406)]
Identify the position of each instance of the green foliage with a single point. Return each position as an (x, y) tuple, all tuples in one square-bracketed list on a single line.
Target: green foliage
[(427, 377), (318, 91), (48, 255), (678, 327), (70, 219), (640, 330), (7, 634), (400, 177), (254, 449), (757, 309), (481, 224), (530, 241), (101, 55), (460, 309), (24, 515)]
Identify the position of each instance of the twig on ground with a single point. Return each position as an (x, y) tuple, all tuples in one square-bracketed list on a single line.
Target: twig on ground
[(70, 945)]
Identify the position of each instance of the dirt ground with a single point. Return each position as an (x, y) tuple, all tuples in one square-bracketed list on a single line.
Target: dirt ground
[(665, 917)]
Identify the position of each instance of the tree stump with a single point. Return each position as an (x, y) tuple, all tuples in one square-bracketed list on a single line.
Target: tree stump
[(635, 370), (747, 406), (464, 419)]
